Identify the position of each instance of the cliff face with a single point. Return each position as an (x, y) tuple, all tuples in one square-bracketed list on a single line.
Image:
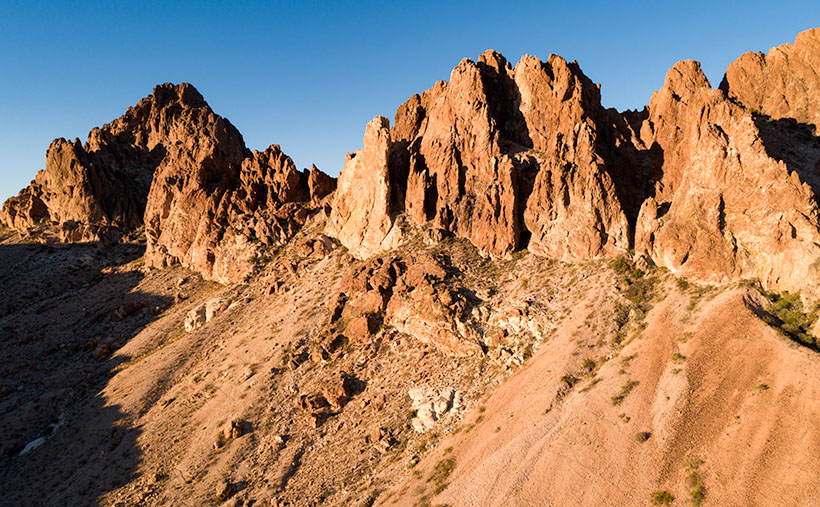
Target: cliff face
[(506, 158), (782, 83), (527, 157), (173, 165), (722, 207), (713, 184)]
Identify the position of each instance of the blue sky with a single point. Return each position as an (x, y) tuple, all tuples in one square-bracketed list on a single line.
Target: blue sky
[(309, 75)]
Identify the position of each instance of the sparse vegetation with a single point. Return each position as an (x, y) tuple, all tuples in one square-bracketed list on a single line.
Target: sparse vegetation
[(569, 380), (678, 357), (642, 436), (762, 387), (625, 390), (694, 481), (440, 474), (662, 497), (786, 313), (638, 289)]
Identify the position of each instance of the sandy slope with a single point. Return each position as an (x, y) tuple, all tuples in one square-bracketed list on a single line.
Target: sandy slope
[(139, 403), (758, 445)]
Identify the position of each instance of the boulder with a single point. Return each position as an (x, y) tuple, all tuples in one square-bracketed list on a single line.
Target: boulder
[(430, 405), (337, 390), (203, 313)]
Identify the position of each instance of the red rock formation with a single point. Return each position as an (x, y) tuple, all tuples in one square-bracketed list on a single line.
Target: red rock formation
[(362, 217), (211, 205), (782, 84), (320, 185), (85, 185), (506, 158), (723, 208), (220, 217)]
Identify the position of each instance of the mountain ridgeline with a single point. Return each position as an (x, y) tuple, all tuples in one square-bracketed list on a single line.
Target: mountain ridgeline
[(713, 184)]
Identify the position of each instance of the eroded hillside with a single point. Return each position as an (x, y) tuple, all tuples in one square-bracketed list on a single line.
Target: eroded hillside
[(513, 296)]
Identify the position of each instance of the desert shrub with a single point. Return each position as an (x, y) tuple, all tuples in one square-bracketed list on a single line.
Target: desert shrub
[(642, 436), (662, 497), (621, 314), (440, 474), (569, 380), (625, 390), (623, 267), (638, 289), (694, 481), (786, 313)]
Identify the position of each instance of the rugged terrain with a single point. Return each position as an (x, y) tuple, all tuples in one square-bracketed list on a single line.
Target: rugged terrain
[(511, 296)]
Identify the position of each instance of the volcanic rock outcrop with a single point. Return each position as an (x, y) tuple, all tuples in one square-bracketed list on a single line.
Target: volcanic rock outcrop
[(527, 157), (89, 188), (362, 217), (507, 158), (723, 208), (184, 172), (782, 84)]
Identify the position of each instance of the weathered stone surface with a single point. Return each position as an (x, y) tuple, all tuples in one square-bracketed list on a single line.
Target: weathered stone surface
[(782, 83), (203, 313), (723, 207), (431, 405), (507, 158), (226, 212), (337, 390), (574, 211), (362, 218), (319, 184), (103, 183), (174, 165)]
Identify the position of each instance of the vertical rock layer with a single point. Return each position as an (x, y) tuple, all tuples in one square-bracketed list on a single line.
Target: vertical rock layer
[(722, 207), (713, 184), (527, 157), (362, 217)]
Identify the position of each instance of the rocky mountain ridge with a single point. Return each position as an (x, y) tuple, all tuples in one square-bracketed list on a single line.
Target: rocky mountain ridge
[(174, 167), (526, 157), (511, 292), (506, 157)]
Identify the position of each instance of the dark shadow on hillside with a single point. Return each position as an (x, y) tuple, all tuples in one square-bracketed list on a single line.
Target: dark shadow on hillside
[(61, 320), (635, 171), (794, 144)]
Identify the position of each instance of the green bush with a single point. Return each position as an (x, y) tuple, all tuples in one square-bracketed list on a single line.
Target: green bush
[(786, 313), (569, 380), (623, 267)]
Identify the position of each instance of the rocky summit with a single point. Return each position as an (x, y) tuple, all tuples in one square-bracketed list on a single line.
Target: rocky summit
[(512, 295)]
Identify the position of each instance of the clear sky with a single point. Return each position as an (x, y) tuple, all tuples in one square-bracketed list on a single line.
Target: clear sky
[(309, 75)]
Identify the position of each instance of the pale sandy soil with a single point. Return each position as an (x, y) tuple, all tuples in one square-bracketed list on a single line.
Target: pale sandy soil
[(140, 402)]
